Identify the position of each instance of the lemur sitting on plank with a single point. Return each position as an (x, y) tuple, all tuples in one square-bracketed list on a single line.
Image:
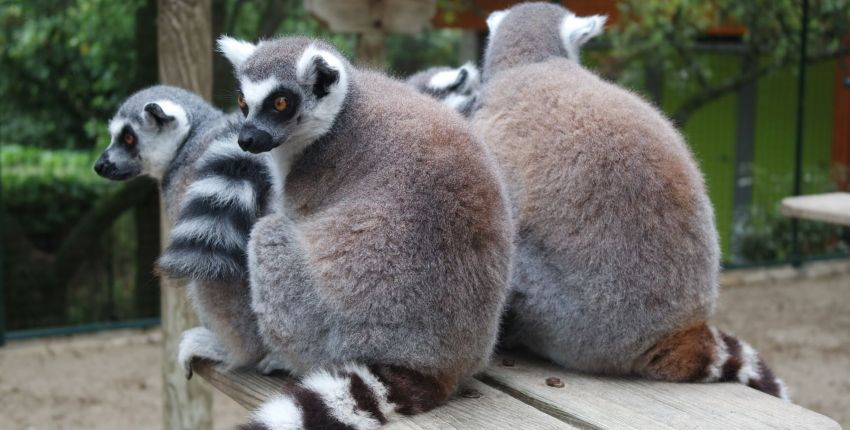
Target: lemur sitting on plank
[(213, 192)]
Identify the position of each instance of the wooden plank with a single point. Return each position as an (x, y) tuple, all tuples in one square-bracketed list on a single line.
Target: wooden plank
[(491, 410), (833, 208), (620, 403)]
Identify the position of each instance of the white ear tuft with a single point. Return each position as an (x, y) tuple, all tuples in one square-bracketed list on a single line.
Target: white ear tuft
[(321, 69), (495, 19), (578, 30), (237, 51)]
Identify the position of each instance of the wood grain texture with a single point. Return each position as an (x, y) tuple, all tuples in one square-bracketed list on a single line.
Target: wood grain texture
[(356, 16), (832, 208), (491, 410), (184, 45), (621, 403)]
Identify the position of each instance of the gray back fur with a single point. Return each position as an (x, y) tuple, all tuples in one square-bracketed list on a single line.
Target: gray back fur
[(617, 245)]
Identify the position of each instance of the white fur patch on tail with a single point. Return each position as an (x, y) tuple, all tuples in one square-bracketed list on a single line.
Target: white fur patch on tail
[(721, 354), (335, 392), (280, 413)]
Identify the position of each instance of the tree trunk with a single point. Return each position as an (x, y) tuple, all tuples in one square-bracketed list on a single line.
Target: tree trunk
[(371, 51), (185, 60)]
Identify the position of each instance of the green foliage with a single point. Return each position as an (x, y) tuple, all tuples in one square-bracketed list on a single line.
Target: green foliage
[(65, 66), (47, 191), (764, 235), (667, 35)]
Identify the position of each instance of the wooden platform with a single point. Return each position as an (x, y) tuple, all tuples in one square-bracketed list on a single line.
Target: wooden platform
[(832, 208), (513, 394)]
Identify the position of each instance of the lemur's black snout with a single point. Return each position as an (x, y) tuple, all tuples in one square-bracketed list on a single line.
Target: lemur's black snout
[(254, 140), (102, 166)]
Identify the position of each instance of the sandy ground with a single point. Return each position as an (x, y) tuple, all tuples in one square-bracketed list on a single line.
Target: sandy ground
[(802, 328)]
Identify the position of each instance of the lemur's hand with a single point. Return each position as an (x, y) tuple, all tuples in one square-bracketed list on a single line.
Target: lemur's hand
[(271, 363), (199, 342)]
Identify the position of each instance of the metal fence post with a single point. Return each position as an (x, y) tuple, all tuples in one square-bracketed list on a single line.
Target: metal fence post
[(2, 260), (796, 258)]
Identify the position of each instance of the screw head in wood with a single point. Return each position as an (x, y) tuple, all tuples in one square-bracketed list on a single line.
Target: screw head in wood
[(554, 382), (470, 393)]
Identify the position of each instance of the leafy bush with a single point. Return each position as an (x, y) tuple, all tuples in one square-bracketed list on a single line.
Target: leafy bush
[(65, 66), (47, 191)]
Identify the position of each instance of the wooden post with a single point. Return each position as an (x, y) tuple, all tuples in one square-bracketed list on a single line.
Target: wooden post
[(185, 51), (371, 49)]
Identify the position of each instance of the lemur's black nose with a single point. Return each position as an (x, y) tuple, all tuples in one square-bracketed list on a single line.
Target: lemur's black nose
[(100, 165), (254, 140)]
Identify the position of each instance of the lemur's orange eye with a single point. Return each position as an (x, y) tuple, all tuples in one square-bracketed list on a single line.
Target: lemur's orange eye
[(240, 99), (129, 139), (280, 104)]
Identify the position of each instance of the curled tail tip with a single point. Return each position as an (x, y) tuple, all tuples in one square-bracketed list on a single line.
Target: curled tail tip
[(198, 266), (739, 361), (700, 353)]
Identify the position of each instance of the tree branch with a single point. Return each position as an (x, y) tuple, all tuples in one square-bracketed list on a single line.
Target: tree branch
[(83, 238), (691, 104)]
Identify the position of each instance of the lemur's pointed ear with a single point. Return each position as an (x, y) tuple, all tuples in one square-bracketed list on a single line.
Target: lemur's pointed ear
[(154, 114), (449, 80), (236, 51), (321, 70), (495, 19), (578, 30)]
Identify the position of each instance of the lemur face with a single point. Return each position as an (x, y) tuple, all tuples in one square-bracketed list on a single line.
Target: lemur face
[(290, 91), (144, 139), (547, 27)]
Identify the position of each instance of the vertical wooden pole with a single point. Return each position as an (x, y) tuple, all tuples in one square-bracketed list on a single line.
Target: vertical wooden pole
[(185, 51), (371, 51)]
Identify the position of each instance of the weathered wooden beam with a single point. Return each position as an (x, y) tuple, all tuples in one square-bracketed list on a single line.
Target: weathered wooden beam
[(184, 45), (624, 403), (514, 394), (832, 208), (477, 407)]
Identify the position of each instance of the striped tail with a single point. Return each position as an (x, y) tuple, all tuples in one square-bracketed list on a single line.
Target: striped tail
[(352, 397), (705, 354), (231, 191)]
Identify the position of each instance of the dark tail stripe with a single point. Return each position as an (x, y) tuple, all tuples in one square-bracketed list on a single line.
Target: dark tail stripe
[(219, 254), (412, 392), (365, 399), (315, 414), (729, 371)]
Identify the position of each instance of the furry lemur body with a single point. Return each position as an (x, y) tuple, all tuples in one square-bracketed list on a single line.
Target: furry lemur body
[(213, 193), (381, 282), (617, 255)]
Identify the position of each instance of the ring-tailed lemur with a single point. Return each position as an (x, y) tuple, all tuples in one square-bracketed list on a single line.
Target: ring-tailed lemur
[(214, 192), (458, 88), (617, 254), (382, 281)]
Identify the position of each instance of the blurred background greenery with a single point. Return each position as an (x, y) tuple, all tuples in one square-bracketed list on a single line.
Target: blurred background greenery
[(78, 249)]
